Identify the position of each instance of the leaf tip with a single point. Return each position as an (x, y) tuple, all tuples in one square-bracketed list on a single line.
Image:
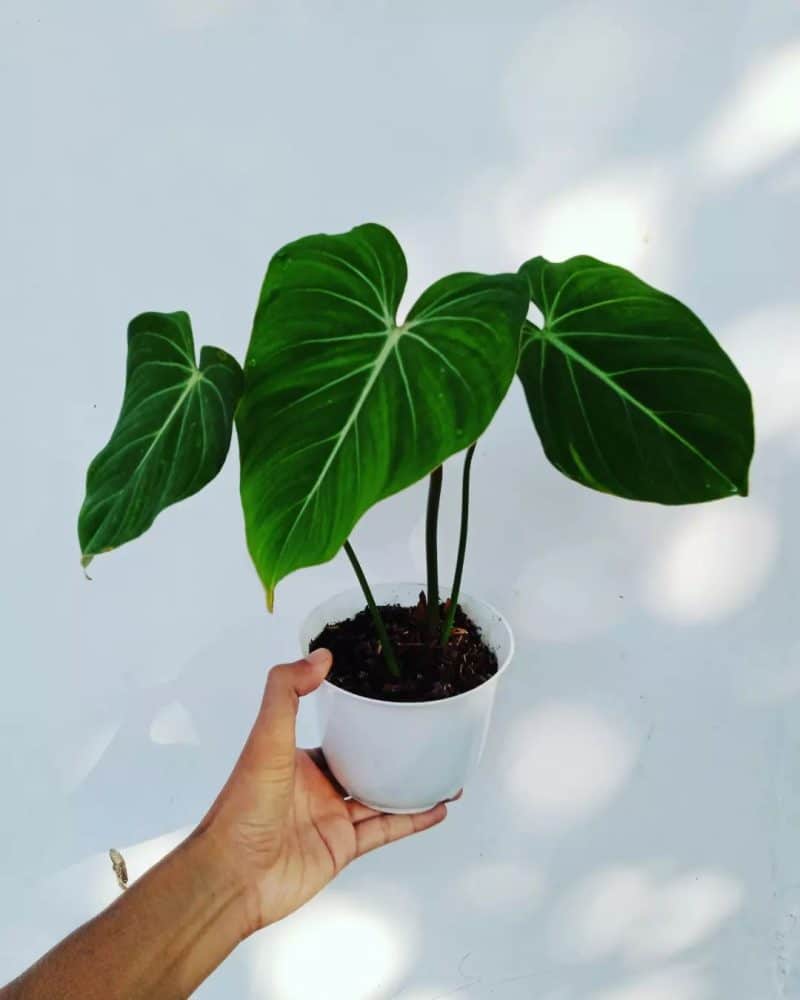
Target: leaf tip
[(270, 599), (85, 560)]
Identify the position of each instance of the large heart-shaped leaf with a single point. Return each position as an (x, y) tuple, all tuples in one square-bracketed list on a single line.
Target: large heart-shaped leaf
[(343, 405), (172, 435), (629, 391)]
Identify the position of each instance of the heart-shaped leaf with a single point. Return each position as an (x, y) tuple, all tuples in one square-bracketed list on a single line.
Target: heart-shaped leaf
[(343, 406), (629, 391), (172, 435)]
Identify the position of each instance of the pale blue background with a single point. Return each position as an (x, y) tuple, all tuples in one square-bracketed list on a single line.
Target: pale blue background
[(633, 833)]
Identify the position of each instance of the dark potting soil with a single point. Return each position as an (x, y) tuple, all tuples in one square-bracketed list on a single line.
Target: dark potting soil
[(429, 671)]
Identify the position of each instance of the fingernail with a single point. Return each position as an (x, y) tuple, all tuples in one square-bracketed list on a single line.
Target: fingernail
[(319, 656)]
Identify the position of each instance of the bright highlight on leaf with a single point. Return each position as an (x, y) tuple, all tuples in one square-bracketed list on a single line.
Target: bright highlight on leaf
[(343, 405), (629, 392), (172, 435)]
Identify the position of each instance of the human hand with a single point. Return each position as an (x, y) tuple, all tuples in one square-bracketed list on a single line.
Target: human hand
[(281, 825), (279, 830)]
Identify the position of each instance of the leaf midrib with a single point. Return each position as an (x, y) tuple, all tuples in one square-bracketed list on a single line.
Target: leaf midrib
[(549, 337), (393, 335), (196, 376), (390, 345)]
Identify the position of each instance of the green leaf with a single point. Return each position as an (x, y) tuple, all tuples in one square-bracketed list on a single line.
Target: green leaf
[(172, 435), (629, 391), (343, 406)]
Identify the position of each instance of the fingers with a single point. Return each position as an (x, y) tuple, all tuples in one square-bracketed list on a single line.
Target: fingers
[(286, 684), (359, 812), (386, 829)]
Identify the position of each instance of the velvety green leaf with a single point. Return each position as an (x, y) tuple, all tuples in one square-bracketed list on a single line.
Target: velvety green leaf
[(629, 391), (172, 435), (343, 406)]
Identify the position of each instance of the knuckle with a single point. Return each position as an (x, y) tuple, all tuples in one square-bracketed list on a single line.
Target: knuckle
[(279, 675)]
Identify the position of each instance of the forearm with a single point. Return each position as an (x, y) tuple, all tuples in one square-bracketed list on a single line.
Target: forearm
[(158, 941)]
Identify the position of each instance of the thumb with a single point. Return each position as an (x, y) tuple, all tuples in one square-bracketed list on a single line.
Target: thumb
[(286, 684)]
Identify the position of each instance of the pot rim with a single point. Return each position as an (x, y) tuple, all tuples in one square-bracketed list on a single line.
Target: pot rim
[(431, 703)]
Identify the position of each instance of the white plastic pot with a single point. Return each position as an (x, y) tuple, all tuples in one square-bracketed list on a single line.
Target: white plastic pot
[(404, 757)]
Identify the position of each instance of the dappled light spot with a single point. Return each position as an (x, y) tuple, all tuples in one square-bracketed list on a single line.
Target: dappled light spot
[(760, 122), (681, 913), (717, 560), (680, 982), (774, 374), (612, 218), (616, 217), (638, 914), (597, 918), (173, 724), (503, 886), (338, 947), (565, 762)]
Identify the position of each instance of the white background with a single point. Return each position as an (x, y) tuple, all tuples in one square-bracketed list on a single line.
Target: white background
[(633, 833)]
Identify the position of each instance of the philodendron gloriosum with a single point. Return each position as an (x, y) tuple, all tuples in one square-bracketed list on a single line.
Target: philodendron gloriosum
[(342, 403)]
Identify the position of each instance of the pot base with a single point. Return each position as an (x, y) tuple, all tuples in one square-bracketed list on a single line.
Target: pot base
[(396, 812)]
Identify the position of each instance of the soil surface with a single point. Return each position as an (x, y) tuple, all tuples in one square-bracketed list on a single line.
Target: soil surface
[(429, 671)]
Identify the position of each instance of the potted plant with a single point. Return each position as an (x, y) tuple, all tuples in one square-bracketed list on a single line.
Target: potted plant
[(340, 405)]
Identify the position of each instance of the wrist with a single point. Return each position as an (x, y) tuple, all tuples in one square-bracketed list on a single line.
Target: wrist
[(221, 868), (210, 859)]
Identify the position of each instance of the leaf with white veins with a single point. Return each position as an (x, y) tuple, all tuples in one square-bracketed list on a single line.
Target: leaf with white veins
[(344, 405), (629, 391), (172, 435)]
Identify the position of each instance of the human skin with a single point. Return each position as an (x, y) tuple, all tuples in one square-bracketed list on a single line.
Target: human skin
[(277, 833)]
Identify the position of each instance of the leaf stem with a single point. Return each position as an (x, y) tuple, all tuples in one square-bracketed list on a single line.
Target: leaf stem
[(380, 628), (431, 549), (462, 546)]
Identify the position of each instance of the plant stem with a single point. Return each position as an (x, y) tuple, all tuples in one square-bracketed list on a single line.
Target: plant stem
[(380, 628), (462, 546), (431, 550)]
